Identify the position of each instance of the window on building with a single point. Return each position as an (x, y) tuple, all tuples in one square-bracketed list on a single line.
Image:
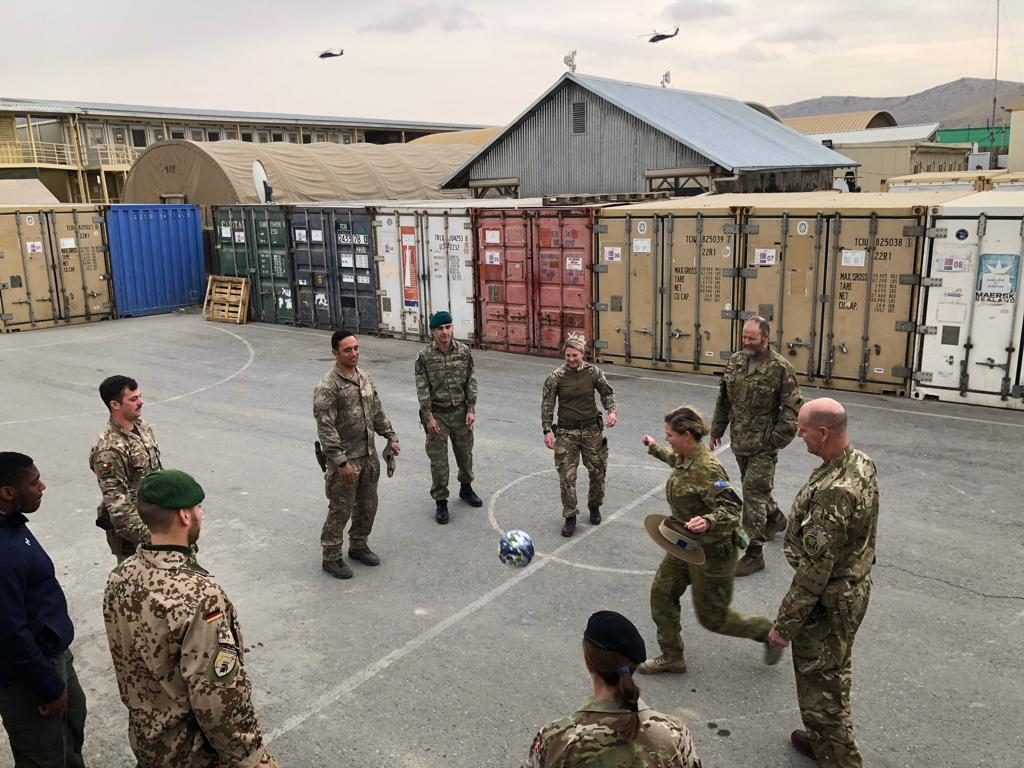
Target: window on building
[(213, 135), (94, 135), (320, 136), (579, 117), (177, 133), (278, 136), (197, 134), (138, 138), (263, 136), (293, 137), (307, 138), (246, 135), (230, 134)]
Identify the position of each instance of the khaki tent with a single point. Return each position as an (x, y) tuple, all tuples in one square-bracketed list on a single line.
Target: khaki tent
[(475, 136), (231, 172), (25, 192)]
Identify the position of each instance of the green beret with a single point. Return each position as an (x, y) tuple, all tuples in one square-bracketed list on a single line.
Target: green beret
[(440, 318), (171, 489)]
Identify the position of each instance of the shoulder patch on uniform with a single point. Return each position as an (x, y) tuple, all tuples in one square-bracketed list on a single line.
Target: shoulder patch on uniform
[(224, 662), (814, 540), (721, 484), (213, 615)]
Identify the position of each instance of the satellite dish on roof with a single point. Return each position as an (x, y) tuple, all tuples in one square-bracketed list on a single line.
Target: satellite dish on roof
[(264, 192)]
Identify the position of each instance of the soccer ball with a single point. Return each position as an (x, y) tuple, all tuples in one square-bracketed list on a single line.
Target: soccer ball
[(516, 549)]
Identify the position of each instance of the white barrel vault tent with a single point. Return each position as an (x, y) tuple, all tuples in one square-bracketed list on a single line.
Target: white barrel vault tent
[(237, 172)]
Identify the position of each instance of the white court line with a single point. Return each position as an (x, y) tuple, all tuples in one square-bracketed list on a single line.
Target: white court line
[(239, 372), (70, 341), (367, 673)]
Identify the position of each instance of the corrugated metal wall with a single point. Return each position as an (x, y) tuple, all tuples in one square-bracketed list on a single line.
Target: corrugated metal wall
[(610, 157)]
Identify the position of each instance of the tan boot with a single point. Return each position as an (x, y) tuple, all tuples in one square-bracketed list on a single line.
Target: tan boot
[(663, 663), (339, 569), (366, 556), (751, 562)]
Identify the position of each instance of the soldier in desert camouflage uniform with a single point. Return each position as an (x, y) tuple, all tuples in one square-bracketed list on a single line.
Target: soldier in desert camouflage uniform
[(579, 431), (758, 400), (348, 412), (614, 729), (446, 389), (830, 542), (124, 454), (176, 644)]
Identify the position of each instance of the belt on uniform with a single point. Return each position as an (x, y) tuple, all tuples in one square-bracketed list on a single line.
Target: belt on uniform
[(447, 408), (597, 421)]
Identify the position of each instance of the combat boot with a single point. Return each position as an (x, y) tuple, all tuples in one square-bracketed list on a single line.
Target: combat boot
[(751, 562), (595, 514), (441, 514), (801, 741), (569, 526), (364, 555), (339, 569), (468, 495), (663, 663), (775, 524)]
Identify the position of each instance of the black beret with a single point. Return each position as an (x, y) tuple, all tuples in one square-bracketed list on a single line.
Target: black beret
[(612, 631), (171, 489)]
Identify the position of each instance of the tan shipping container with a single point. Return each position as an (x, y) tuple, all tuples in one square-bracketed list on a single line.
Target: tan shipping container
[(54, 267)]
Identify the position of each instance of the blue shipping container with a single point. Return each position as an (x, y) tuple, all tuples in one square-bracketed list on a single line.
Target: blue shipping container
[(156, 258)]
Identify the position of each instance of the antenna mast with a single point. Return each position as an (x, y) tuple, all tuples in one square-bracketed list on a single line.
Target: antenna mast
[(995, 77)]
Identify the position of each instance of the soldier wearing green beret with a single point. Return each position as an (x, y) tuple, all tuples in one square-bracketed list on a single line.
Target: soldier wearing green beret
[(446, 389), (176, 644)]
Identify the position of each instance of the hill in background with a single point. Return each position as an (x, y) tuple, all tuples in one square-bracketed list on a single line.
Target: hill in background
[(958, 104)]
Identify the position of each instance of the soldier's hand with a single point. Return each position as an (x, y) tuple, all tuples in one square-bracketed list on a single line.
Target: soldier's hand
[(56, 708), (432, 426), (613, 419), (714, 442), (395, 448), (347, 474), (549, 440), (470, 419), (696, 525), (648, 440), (774, 638)]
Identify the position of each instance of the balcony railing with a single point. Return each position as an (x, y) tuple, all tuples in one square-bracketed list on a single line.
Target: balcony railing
[(111, 154), (42, 153)]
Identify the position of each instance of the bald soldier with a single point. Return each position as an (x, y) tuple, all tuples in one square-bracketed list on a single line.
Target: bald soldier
[(176, 644), (830, 542), (758, 400)]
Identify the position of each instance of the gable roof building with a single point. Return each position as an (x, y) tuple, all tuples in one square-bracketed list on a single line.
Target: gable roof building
[(591, 135)]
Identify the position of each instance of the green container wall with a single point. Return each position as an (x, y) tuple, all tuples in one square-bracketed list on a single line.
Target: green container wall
[(252, 241)]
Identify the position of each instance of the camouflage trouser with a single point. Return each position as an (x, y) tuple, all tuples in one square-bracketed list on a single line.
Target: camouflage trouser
[(357, 501), (757, 473), (120, 547), (452, 425), (822, 654), (712, 594), (570, 445)]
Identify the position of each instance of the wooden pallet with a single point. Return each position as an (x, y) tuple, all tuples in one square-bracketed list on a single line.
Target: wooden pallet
[(227, 299)]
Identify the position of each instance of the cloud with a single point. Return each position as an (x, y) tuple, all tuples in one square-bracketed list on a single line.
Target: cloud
[(450, 18), (809, 33), (755, 53), (682, 11)]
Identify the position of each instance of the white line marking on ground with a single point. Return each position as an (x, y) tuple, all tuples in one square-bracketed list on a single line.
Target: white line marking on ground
[(367, 673), (70, 341), (239, 372)]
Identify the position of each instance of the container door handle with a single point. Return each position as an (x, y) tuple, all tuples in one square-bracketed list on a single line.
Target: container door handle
[(644, 331)]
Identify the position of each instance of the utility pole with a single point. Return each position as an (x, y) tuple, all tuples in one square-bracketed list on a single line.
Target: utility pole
[(995, 77)]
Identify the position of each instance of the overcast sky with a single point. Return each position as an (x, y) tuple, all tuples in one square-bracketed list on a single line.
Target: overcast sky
[(484, 62)]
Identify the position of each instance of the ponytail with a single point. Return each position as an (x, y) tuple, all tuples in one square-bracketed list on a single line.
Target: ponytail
[(629, 695), (617, 671)]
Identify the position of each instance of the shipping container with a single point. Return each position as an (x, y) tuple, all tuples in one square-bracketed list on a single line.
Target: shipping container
[(252, 241), (335, 272), (667, 283), (1008, 182), (941, 181), (156, 258), (535, 270), (973, 326), (54, 267)]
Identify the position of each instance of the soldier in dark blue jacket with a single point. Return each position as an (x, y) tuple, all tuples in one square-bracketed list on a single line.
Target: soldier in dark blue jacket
[(41, 702)]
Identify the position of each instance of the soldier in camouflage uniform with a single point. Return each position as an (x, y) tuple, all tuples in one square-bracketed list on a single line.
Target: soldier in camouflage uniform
[(615, 728), (125, 453), (830, 542), (176, 644), (579, 431), (446, 388), (758, 400), (348, 412), (700, 497)]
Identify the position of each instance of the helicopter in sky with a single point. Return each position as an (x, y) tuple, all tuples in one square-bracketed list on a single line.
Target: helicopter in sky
[(331, 53), (657, 37)]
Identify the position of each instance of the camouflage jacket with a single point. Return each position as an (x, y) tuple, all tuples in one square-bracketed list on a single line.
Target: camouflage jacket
[(699, 487), (446, 380), (348, 412), (178, 657), (830, 540), (574, 391), (760, 405), (120, 460), (589, 739)]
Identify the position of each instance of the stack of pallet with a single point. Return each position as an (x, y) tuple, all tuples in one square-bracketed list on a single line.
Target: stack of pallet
[(227, 299)]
